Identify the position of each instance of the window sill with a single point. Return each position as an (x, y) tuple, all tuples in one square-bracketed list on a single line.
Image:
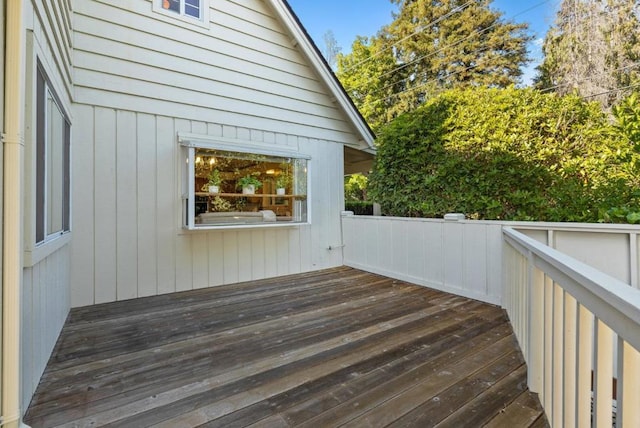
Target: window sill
[(236, 226), (35, 255)]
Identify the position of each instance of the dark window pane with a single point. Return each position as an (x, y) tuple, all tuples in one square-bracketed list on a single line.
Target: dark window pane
[(192, 8), (40, 156)]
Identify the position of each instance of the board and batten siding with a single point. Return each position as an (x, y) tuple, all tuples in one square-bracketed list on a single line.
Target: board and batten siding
[(466, 257), (140, 78), (128, 240), (45, 306), (46, 284)]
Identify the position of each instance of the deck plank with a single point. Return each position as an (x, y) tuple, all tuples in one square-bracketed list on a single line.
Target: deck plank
[(319, 348)]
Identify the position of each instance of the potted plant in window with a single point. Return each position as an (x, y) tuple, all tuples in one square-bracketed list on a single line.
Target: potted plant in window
[(282, 182), (214, 181), (249, 184)]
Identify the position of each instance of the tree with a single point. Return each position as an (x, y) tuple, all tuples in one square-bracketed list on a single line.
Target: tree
[(432, 45), (593, 49), (363, 73), (331, 48)]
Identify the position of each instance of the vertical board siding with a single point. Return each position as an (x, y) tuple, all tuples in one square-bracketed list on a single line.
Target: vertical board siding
[(45, 305), (129, 241), (461, 258), (105, 211), (466, 257)]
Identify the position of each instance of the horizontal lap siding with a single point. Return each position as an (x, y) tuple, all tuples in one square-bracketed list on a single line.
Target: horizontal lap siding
[(243, 68)]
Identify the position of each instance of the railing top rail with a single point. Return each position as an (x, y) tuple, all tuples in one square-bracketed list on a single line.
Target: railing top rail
[(611, 300), (522, 225)]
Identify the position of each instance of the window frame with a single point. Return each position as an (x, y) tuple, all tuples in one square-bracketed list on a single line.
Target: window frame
[(202, 21), (189, 143), (45, 95), (41, 90)]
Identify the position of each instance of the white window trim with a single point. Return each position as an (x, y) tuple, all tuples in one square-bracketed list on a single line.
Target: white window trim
[(35, 252), (193, 141), (202, 22)]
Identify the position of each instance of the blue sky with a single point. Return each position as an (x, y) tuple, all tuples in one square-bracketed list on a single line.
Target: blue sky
[(350, 18)]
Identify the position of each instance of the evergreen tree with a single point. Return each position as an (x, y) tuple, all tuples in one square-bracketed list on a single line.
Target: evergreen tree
[(593, 49), (432, 45)]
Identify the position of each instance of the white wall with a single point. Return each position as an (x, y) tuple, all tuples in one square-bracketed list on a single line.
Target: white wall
[(463, 258), (128, 239), (45, 303), (45, 283), (243, 69), (140, 78), (466, 257)]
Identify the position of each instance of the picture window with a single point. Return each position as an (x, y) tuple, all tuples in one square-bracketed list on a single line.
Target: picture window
[(228, 188)]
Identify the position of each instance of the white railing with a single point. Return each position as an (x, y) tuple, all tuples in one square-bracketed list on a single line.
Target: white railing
[(574, 324)]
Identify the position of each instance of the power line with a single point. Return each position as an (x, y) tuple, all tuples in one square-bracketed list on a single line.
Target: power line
[(457, 42), (452, 44), (624, 88), (416, 77), (590, 78), (419, 30), (422, 85)]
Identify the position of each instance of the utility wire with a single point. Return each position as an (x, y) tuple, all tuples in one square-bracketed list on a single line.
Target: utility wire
[(590, 78), (452, 44), (624, 88), (418, 30)]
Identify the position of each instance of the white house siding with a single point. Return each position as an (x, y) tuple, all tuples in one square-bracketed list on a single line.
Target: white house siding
[(45, 284), (128, 240), (142, 77), (45, 302), (243, 69)]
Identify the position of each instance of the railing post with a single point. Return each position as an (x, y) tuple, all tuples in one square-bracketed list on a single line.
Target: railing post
[(536, 326)]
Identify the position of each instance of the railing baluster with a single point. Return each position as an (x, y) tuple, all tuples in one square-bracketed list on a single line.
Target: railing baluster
[(548, 347), (603, 385), (566, 315), (628, 386), (558, 353), (585, 365), (569, 369), (536, 336)]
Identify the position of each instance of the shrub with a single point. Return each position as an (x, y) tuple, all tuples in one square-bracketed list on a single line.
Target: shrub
[(511, 154), (359, 207)]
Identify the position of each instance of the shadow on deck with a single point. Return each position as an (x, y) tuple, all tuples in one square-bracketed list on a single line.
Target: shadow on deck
[(328, 348)]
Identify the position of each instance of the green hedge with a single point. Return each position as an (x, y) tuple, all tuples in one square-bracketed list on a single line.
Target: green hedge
[(359, 207), (511, 154)]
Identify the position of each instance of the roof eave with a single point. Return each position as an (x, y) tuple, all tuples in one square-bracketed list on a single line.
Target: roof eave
[(311, 51)]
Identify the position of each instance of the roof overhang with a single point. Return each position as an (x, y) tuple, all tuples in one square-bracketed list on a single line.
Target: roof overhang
[(328, 77)]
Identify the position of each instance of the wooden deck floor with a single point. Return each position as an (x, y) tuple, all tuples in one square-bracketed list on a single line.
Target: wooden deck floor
[(330, 348)]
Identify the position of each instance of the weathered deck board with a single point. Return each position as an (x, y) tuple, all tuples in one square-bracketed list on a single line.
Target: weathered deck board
[(329, 348)]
